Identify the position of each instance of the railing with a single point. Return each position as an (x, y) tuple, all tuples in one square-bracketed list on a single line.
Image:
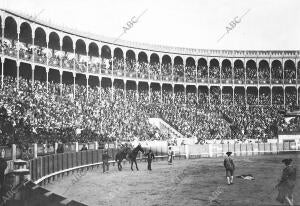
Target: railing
[(9, 48), (94, 68)]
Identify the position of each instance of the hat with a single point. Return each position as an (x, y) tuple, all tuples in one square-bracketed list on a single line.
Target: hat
[(228, 153), (287, 161)]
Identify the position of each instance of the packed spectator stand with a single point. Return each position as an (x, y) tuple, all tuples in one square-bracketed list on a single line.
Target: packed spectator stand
[(80, 107)]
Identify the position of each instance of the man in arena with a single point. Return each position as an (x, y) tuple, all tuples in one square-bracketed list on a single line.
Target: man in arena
[(60, 148), (105, 163), (287, 183), (6, 194), (229, 167), (3, 166), (84, 148), (150, 157), (170, 155)]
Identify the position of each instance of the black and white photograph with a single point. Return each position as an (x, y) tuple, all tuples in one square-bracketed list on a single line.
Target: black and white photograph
[(149, 103)]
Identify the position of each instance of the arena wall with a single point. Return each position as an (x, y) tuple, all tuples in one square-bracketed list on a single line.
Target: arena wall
[(215, 150), (290, 136)]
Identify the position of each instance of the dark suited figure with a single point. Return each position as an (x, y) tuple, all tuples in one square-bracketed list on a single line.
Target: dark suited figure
[(84, 148), (60, 148), (170, 155), (3, 166), (6, 190), (150, 157), (229, 167), (105, 158), (287, 183)]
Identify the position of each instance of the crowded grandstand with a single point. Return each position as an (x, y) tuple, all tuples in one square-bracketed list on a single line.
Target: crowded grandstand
[(57, 86)]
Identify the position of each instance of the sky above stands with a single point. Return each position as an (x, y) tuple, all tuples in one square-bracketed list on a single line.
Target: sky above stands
[(268, 25)]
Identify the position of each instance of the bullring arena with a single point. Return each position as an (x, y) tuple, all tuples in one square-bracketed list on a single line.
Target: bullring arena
[(67, 97), (187, 182)]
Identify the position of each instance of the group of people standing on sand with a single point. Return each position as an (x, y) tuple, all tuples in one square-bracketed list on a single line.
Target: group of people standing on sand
[(285, 186), (149, 156)]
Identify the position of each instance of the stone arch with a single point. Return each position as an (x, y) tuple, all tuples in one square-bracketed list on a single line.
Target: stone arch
[(154, 66), (289, 72), (166, 68), (25, 35), (239, 71), (264, 96), (276, 72), (130, 61), (214, 70), (264, 72), (10, 29), (178, 73), (40, 37), (190, 70), (202, 70), (226, 71), (251, 72)]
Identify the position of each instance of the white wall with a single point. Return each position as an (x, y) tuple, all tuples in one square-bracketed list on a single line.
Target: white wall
[(289, 137)]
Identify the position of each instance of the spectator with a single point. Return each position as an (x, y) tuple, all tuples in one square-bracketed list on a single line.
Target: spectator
[(170, 155), (60, 148), (105, 163), (84, 148), (3, 166), (150, 157)]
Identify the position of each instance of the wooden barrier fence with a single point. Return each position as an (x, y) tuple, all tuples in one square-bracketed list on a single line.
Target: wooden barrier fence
[(46, 165), (215, 150)]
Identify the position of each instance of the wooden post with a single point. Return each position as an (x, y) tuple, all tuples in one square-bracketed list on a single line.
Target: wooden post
[(210, 150), (14, 152), (76, 147), (187, 151), (55, 147), (35, 150)]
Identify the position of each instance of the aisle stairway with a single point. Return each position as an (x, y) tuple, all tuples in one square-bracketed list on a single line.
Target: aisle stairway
[(165, 127)]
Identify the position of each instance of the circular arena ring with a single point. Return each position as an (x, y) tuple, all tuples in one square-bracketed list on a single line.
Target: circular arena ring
[(192, 179), (186, 182)]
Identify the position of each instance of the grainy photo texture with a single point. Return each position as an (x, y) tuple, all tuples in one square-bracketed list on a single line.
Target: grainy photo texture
[(153, 103)]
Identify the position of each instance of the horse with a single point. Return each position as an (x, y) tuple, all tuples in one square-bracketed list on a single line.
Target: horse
[(121, 155), (127, 153)]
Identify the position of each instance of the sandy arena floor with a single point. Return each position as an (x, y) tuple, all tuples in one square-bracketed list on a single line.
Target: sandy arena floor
[(186, 182)]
